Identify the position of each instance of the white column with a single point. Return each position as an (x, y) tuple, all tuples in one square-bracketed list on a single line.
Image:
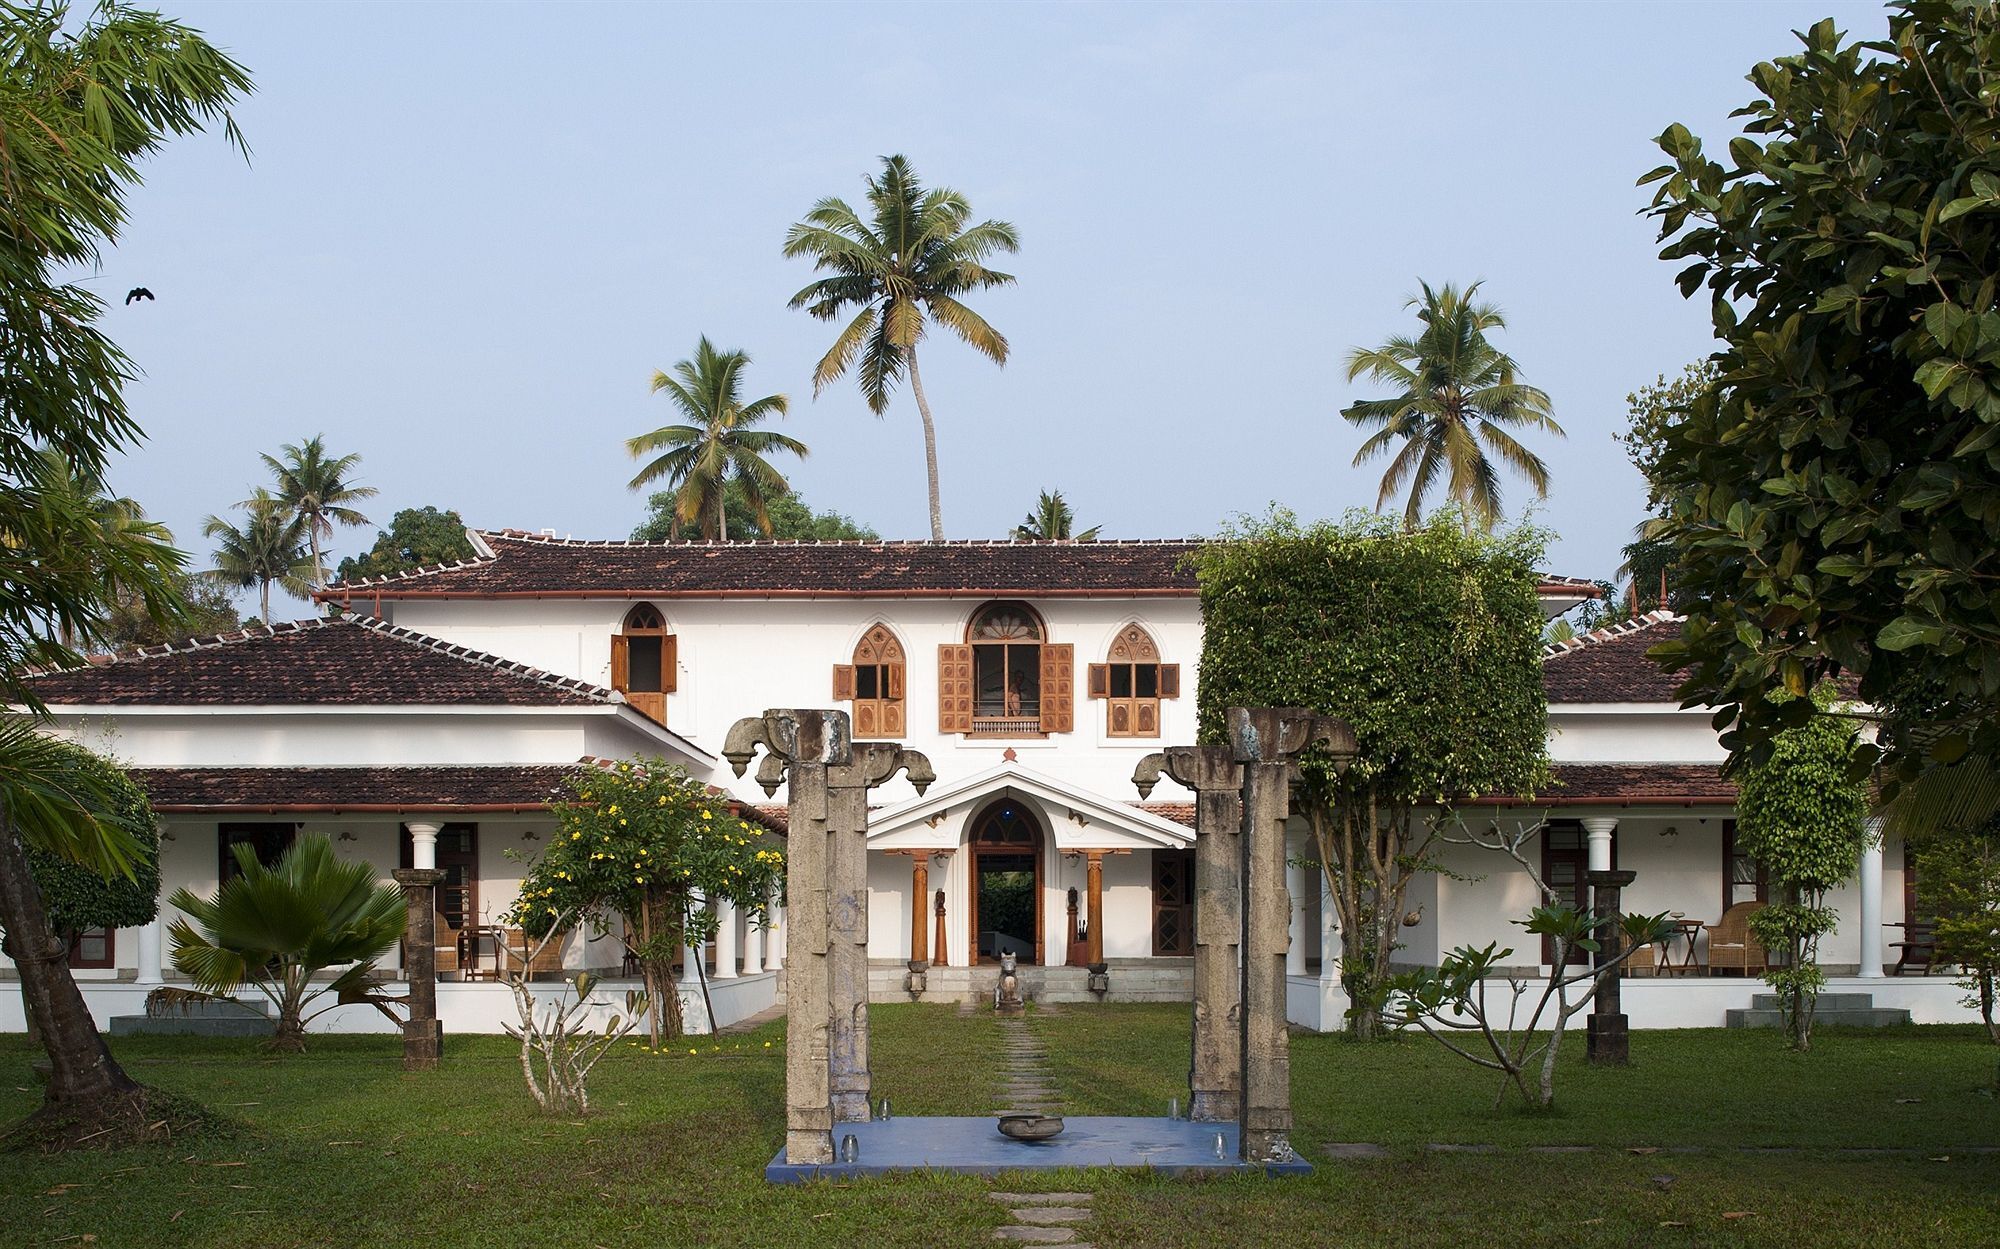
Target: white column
[(691, 955), (1871, 902), (1597, 832), (725, 940), (424, 846), (1295, 889), (149, 952), (1329, 932), (753, 947), (774, 956)]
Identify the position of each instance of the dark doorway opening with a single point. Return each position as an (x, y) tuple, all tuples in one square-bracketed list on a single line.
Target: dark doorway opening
[(1006, 884)]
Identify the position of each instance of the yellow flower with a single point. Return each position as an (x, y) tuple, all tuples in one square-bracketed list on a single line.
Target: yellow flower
[(576, 836), (707, 815)]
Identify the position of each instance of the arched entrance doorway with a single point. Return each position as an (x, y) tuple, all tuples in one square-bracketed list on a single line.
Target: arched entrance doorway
[(1006, 910)]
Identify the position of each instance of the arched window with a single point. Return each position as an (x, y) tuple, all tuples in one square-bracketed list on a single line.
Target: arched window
[(1133, 682), (1007, 679), (874, 684), (645, 661)]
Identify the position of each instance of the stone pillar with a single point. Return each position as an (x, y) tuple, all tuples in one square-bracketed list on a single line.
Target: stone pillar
[(149, 951), (1267, 742), (424, 845), (1215, 1070), (1610, 1043), (1093, 907), (1870, 885), (826, 979), (1597, 837), (725, 940), (1295, 891), (423, 1032), (1329, 932), (920, 919)]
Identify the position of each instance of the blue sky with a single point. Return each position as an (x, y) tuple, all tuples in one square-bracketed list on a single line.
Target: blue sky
[(470, 234)]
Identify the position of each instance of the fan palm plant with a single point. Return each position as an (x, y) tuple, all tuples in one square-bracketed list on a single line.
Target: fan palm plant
[(269, 547), (903, 266), (317, 489), (1053, 521), (277, 927), (720, 443), (1456, 391)]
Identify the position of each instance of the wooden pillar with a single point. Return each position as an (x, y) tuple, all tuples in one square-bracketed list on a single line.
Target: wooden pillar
[(943, 951), (920, 893), (1093, 875), (423, 1032)]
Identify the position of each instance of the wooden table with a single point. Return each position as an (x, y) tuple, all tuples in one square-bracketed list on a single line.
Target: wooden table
[(1681, 930), (480, 942)]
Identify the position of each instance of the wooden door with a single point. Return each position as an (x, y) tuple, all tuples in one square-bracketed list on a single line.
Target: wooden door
[(1173, 902)]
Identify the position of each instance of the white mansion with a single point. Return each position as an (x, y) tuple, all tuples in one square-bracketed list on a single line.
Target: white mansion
[(1034, 675)]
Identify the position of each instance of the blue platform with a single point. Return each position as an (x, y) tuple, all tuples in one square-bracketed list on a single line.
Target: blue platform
[(970, 1146)]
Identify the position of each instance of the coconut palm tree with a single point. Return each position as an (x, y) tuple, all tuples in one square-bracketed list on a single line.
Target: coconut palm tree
[(278, 927), (269, 547), (720, 443), (1455, 392), (318, 490), (902, 267), (1053, 521)]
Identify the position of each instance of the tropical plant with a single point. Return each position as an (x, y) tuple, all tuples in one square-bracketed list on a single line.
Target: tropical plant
[(317, 488), (907, 264), (1428, 643), (1800, 812), (85, 102), (719, 447), (558, 1044), (417, 537), (643, 843), (1455, 392), (1832, 494), (268, 548), (789, 515), (1958, 890), (1052, 521), (209, 610), (278, 927)]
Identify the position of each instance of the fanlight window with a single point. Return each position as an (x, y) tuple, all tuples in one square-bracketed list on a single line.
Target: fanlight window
[(1006, 679), (645, 661), (1132, 684), (874, 684)]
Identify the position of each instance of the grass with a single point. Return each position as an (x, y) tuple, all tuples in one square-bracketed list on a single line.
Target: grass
[(339, 1147)]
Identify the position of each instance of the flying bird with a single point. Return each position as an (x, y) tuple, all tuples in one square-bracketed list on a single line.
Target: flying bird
[(137, 292)]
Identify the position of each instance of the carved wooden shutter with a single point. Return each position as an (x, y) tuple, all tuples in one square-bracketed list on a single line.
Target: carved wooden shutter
[(1100, 681), (1170, 680), (892, 718), (954, 689), (1058, 688), (843, 682), (621, 661), (895, 680), (670, 664)]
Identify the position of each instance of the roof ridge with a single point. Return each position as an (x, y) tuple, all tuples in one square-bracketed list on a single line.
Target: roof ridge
[(346, 588), (549, 539), (511, 667), (1609, 633)]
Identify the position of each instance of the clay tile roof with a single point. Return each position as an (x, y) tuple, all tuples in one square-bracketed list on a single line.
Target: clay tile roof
[(350, 661), (1609, 665), (533, 564), (469, 788), (1640, 783), (1178, 812)]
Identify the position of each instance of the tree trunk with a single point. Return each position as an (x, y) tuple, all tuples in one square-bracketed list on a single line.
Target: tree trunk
[(264, 587), (1986, 1005), (319, 570), (930, 445), (81, 1068)]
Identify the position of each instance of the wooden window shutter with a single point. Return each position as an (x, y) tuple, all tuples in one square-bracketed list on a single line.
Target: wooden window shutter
[(1170, 680), (892, 719), (1058, 688), (895, 680), (1100, 681), (670, 664), (954, 689), (621, 662), (843, 682)]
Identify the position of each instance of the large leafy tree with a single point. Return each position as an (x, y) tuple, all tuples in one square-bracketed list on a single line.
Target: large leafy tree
[(417, 537), (1457, 396), (210, 610), (909, 262), (268, 548), (1426, 641), (1052, 521), (82, 104), (317, 488), (790, 517), (719, 446), (1835, 496)]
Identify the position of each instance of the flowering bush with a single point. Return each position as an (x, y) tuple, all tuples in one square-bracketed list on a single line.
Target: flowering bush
[(645, 843)]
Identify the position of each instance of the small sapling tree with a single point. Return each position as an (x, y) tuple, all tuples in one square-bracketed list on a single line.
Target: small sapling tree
[(559, 1045), (1802, 814), (1428, 642), (643, 843), (1958, 888)]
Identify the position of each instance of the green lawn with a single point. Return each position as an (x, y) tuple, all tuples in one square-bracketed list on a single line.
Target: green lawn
[(341, 1148)]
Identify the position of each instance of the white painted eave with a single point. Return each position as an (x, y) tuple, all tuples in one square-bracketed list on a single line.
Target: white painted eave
[(1079, 818)]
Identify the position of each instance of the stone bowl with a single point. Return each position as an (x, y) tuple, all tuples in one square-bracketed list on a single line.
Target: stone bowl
[(1030, 1127)]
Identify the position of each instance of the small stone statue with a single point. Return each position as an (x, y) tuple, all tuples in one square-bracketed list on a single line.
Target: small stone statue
[(1007, 994)]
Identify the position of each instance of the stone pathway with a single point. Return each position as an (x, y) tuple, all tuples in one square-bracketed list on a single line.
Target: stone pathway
[(1044, 1218), (1025, 1066)]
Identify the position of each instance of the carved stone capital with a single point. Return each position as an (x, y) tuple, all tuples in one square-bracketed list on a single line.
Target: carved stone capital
[(1278, 734), (788, 736)]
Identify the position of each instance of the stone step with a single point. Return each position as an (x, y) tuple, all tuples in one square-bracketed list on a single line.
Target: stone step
[(193, 1025), (1872, 1017), (224, 1008), (1827, 1001)]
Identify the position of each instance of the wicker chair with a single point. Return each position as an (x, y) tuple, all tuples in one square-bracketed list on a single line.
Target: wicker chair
[(1731, 944)]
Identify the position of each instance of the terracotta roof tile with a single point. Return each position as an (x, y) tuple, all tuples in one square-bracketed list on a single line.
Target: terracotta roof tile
[(351, 788), (1609, 665), (349, 661)]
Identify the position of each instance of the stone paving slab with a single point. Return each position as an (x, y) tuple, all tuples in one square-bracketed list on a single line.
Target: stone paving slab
[(1041, 1199), (1037, 1235), (1051, 1214)]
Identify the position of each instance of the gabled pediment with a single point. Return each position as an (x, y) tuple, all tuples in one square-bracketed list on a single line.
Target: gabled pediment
[(1080, 819)]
